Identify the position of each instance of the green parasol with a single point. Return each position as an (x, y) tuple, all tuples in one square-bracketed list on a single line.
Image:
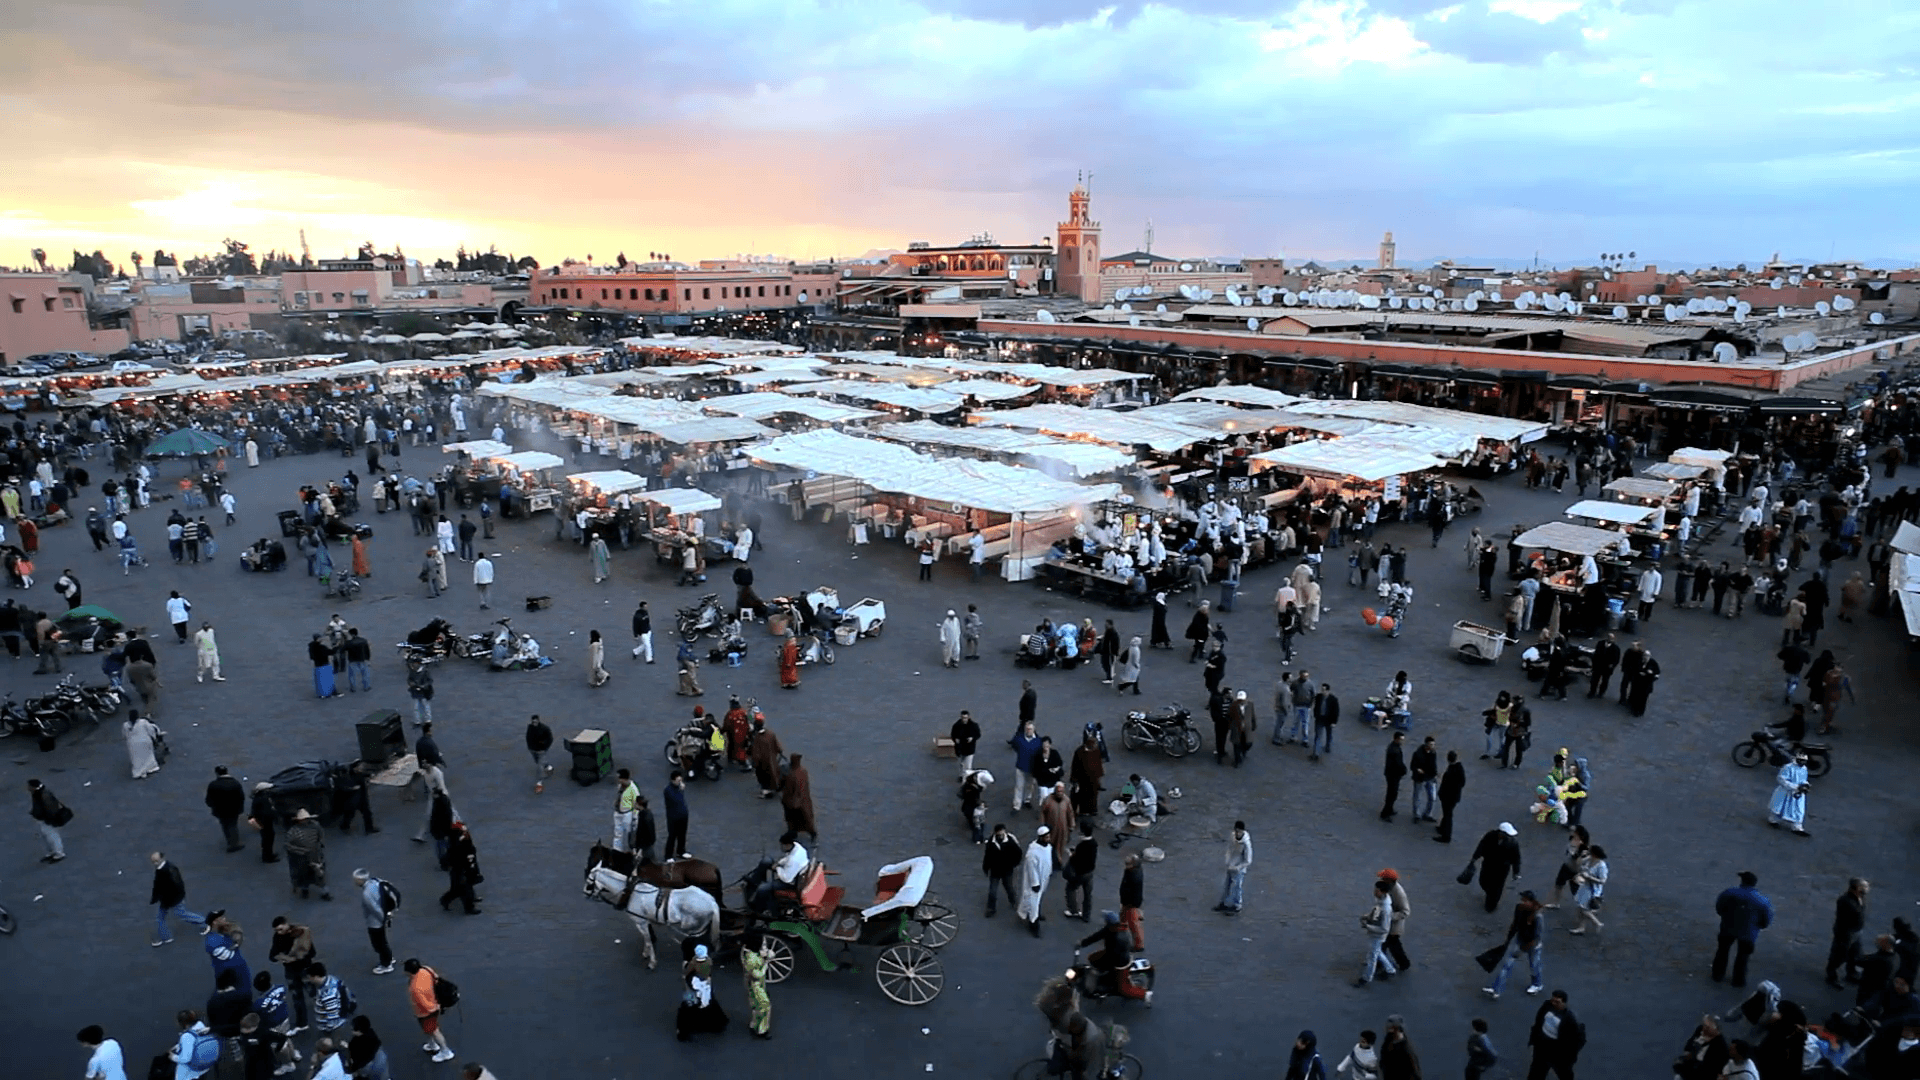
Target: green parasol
[(187, 441)]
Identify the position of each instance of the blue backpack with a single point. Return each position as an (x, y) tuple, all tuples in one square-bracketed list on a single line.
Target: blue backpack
[(206, 1051)]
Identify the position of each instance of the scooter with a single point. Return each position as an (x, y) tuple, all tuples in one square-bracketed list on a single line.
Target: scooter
[(1095, 985), (690, 742), (701, 618), (817, 648), (1768, 747)]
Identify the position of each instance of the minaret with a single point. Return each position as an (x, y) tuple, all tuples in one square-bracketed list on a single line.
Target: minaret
[(1077, 262), (1386, 252)]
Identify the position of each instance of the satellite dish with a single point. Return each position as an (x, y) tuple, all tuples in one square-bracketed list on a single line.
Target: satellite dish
[(1393, 302), (1641, 299), (1186, 268), (1477, 295), (1619, 311), (1109, 307), (1429, 304), (803, 298), (1672, 313), (1780, 311), (1555, 303), (1472, 304), (1133, 320), (1725, 353), (1876, 318), (1695, 305), (1253, 324), (1126, 307), (1776, 283), (1521, 303), (1160, 309), (1823, 308), (1742, 308), (1206, 294), (1044, 315), (1371, 303), (1843, 303), (1289, 298), (1494, 296), (1793, 279), (1739, 316)]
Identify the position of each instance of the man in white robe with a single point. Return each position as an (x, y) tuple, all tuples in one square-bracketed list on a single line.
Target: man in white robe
[(1035, 869)]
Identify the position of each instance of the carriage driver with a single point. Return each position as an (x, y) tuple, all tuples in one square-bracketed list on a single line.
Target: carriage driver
[(787, 871)]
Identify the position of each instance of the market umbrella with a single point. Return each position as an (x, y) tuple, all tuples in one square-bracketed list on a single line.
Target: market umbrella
[(91, 611), (187, 441)]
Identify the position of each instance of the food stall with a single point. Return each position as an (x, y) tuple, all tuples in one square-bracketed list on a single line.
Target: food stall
[(1642, 491), (1582, 570), (1645, 526), (525, 473), (669, 522), (1713, 461), (598, 494)]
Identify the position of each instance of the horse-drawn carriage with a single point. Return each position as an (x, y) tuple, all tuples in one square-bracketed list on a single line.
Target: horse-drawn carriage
[(903, 922)]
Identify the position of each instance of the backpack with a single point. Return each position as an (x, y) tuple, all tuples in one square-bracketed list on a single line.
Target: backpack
[(348, 1004), (205, 1053), (389, 897), (446, 993)]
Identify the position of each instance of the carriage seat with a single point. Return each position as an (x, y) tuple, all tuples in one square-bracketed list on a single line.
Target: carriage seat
[(887, 888), (818, 900)]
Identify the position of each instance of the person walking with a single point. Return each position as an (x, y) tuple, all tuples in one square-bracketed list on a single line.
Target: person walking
[(1453, 783), (1606, 660), (1000, 861), (597, 673), (675, 800), (753, 969), (169, 898), (1402, 908), (539, 741), (1198, 630), (1239, 859), (106, 1060), (420, 689), (144, 741), (1588, 885), (307, 855), (1525, 934), (796, 800), (950, 640), (1326, 716), (1498, 856), (293, 949), (179, 609), (378, 901), (1849, 920), (1133, 896), (1425, 770), (1557, 1037), (970, 630), (424, 991), (263, 816), (1082, 857), (483, 580), (1036, 867), (965, 734), (359, 654), (226, 800), (49, 814), (643, 633), (1375, 924), (1481, 1055), (1397, 1059), (433, 571), (1395, 768), (1744, 912), (601, 558), (1642, 682), (321, 657), (463, 870), (1789, 800)]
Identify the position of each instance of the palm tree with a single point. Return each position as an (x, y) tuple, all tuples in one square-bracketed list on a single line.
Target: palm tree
[(40, 259)]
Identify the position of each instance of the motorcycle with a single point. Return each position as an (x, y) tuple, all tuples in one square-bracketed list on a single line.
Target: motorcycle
[(733, 643), (690, 744), (1170, 728), (703, 617), (817, 648), (37, 718), (1095, 985), (1776, 751)]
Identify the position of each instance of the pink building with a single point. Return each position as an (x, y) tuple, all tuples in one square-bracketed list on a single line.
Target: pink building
[(172, 311), (675, 289), (48, 313)]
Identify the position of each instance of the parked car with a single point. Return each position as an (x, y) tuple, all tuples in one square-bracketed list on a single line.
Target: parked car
[(123, 367), (29, 368)]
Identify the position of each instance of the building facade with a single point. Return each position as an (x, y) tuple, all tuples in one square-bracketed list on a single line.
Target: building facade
[(676, 289), (48, 313)]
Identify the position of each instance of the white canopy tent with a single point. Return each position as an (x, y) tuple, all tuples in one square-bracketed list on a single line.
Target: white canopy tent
[(1368, 458), (960, 482), (1256, 396), (759, 406), (1494, 428), (1573, 539), (917, 398), (1644, 517), (528, 460), (609, 481), (682, 500), (1713, 461), (1634, 487), (1079, 458), (1100, 425), (478, 448)]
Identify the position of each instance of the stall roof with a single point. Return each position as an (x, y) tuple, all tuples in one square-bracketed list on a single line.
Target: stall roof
[(529, 460), (1712, 460), (1082, 459), (708, 429), (1572, 539), (1258, 396), (767, 403), (562, 393), (1216, 417), (1634, 487), (1906, 538), (919, 399), (610, 481), (988, 389), (1100, 425), (1496, 428), (962, 482), (1621, 513), (681, 500), (480, 448), (1327, 425), (1667, 470), (1368, 458)]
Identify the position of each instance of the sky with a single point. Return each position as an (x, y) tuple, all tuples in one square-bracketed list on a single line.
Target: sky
[(1694, 131)]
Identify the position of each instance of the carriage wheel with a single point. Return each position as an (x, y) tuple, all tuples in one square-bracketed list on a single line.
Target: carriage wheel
[(780, 960), (934, 924), (909, 974)]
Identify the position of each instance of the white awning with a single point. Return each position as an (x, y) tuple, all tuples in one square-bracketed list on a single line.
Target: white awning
[(610, 481), (528, 460), (1633, 487), (959, 482), (681, 500), (1258, 396), (1617, 512), (1368, 458), (480, 448), (1495, 428), (1573, 539), (1079, 458), (1101, 425), (759, 406)]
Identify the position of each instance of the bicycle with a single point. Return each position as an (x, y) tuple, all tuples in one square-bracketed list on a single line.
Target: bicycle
[(1119, 1065)]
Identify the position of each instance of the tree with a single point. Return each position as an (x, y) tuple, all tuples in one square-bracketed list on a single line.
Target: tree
[(620, 260), (527, 262), (443, 264), (40, 259), (235, 259), (161, 258)]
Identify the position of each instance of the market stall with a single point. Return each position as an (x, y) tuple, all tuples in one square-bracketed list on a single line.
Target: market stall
[(1713, 461), (1647, 492), (1644, 526), (525, 488), (1584, 573), (672, 520)]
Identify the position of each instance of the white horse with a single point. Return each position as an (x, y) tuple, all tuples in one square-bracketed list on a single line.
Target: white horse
[(689, 912)]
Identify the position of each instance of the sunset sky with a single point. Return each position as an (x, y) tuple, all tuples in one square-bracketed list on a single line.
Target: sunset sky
[(1718, 130)]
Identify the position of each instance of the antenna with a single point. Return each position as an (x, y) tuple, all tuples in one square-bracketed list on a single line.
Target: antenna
[(306, 256), (1149, 246)]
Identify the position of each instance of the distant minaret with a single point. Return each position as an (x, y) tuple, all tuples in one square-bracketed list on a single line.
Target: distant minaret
[(1078, 257), (1386, 252), (1149, 244)]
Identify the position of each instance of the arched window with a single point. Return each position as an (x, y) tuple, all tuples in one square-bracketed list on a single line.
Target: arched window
[(979, 263)]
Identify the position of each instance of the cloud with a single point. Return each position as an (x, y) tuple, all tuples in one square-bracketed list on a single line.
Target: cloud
[(815, 126)]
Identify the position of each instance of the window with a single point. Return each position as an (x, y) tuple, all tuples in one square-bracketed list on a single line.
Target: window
[(66, 301), (688, 294), (706, 294), (763, 290), (48, 302), (649, 294), (603, 294), (19, 306), (339, 298)]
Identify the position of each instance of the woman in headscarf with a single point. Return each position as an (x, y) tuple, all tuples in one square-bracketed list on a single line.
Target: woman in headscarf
[(1197, 631), (1304, 1062), (143, 740), (1126, 673), (765, 754), (796, 800), (753, 965), (361, 567), (699, 1012), (790, 662), (597, 674), (1160, 639)]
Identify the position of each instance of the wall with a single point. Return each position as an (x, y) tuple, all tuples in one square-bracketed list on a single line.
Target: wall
[(682, 292), (48, 313)]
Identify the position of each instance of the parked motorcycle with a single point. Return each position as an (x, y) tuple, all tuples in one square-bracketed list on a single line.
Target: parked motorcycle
[(817, 647), (702, 618), (1170, 728), (1776, 751), (38, 718)]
